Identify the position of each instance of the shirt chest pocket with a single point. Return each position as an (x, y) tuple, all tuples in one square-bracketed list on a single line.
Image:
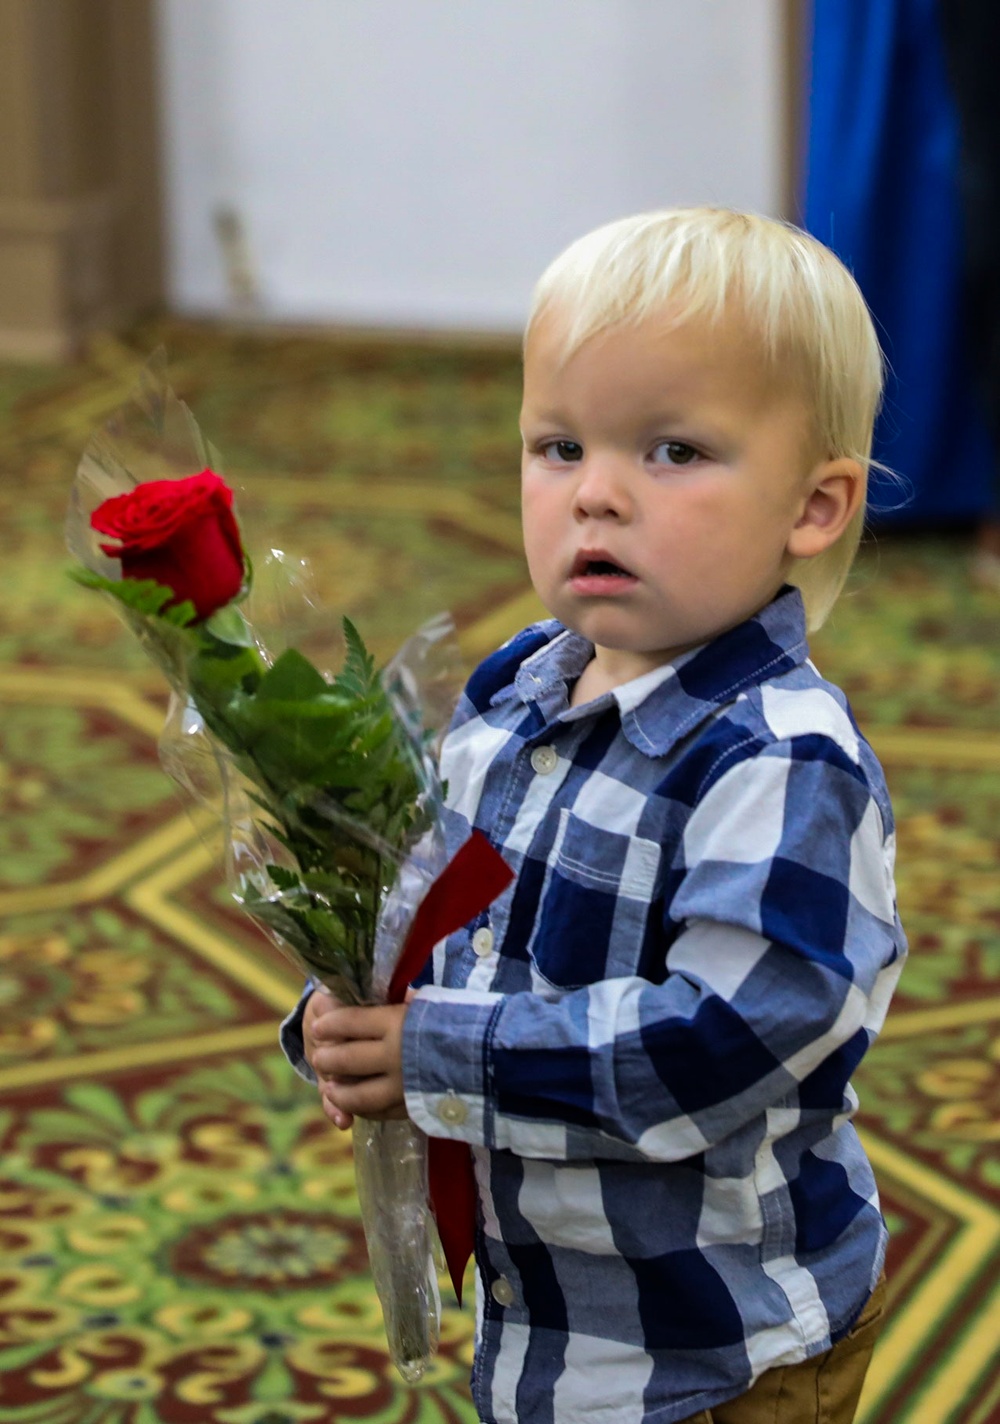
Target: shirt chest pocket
[(595, 914)]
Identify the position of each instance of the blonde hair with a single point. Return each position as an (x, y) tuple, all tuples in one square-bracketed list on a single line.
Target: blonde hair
[(806, 306)]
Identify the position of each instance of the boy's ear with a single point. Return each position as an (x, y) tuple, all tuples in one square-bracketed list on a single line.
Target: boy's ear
[(834, 493)]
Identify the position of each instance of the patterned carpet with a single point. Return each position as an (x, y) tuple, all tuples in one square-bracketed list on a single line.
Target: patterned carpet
[(179, 1238)]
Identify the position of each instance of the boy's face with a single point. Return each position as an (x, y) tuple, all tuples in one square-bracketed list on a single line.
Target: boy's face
[(662, 476)]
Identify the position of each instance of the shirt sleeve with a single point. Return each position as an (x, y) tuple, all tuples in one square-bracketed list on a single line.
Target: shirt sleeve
[(290, 1036), (786, 952)]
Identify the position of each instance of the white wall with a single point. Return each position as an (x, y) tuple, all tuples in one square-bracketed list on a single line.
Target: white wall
[(417, 162)]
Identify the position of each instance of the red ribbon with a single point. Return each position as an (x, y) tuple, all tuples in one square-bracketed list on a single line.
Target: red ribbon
[(471, 880)]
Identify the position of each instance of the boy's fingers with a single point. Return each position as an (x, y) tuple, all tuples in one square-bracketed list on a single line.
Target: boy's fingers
[(359, 1058), (371, 1097), (324, 1028), (336, 1115), (320, 1001), (347, 1022)]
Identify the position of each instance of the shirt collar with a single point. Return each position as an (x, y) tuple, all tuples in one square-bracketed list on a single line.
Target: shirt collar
[(663, 705)]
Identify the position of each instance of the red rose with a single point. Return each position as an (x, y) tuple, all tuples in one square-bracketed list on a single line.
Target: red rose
[(182, 533)]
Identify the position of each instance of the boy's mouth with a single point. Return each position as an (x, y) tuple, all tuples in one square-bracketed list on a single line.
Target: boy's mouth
[(597, 561), (594, 571)]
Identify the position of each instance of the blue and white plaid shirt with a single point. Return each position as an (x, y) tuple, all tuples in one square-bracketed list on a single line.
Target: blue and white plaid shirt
[(648, 1037)]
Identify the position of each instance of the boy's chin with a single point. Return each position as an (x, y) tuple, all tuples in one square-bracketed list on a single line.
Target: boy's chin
[(642, 653), (615, 628), (619, 646)]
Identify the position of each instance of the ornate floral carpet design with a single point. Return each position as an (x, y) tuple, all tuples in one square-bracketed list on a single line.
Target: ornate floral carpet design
[(179, 1238)]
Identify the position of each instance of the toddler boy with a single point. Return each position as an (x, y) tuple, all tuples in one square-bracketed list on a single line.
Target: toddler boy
[(647, 1039)]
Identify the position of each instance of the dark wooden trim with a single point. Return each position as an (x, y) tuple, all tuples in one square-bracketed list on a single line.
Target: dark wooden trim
[(80, 208)]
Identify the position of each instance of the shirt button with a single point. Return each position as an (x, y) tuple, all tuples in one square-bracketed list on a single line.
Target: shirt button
[(482, 941), (452, 1110), (502, 1291), (544, 760)]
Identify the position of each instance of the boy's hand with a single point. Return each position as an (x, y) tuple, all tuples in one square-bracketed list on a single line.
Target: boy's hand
[(356, 1053)]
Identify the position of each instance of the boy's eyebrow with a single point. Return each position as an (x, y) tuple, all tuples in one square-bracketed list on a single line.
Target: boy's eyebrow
[(550, 417), (663, 415)]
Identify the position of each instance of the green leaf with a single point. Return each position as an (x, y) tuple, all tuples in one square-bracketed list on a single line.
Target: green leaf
[(329, 766), (218, 678), (229, 626), (181, 615), (294, 743), (328, 885), (284, 879), (358, 674), (144, 596), (89, 579), (277, 918), (292, 679), (227, 667)]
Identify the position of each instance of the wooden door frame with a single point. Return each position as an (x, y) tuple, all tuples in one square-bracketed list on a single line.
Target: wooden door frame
[(81, 211)]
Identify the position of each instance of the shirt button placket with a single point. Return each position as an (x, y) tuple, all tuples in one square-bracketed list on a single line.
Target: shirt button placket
[(544, 760), (482, 941), (502, 1291)]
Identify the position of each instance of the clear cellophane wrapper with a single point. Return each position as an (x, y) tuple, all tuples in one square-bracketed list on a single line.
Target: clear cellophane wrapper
[(155, 437)]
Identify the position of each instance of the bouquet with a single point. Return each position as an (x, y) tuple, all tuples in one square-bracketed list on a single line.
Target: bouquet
[(327, 787)]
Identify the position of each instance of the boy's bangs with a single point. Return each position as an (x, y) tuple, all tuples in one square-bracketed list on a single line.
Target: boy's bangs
[(679, 265), (598, 284)]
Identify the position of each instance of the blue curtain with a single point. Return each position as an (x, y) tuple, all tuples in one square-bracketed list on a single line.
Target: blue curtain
[(882, 191)]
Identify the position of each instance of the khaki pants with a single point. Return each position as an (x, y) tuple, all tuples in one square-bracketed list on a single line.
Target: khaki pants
[(823, 1390)]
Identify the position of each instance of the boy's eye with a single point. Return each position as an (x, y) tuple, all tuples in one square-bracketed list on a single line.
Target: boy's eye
[(566, 451), (678, 452)]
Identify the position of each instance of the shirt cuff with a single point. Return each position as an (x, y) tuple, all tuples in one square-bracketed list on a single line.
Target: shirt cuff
[(291, 1040), (445, 1037)]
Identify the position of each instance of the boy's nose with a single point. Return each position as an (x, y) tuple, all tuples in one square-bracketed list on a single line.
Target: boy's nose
[(602, 490)]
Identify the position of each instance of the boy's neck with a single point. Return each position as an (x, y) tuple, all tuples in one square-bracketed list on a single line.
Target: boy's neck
[(600, 676), (588, 685), (612, 667)]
